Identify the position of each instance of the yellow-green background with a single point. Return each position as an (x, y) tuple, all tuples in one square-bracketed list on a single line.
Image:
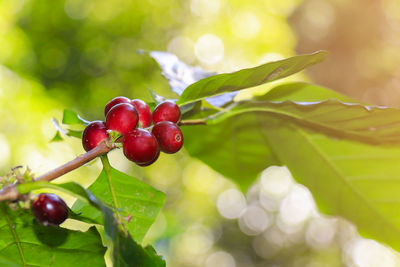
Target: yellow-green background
[(78, 54)]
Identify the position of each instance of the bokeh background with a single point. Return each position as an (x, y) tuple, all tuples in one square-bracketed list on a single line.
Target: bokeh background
[(78, 54)]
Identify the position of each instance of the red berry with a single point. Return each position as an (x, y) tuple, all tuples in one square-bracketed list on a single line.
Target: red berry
[(93, 134), (150, 162), (122, 118), (144, 112), (49, 209), (169, 136), (166, 111), (115, 101), (140, 146)]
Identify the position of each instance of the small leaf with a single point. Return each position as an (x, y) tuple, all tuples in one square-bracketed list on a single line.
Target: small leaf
[(178, 74), (67, 132), (246, 78), (57, 137), (70, 117)]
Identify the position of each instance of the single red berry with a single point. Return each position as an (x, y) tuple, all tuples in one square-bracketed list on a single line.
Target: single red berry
[(169, 136), (140, 146), (49, 209), (122, 118), (166, 111), (150, 162), (144, 112), (93, 134), (115, 101)]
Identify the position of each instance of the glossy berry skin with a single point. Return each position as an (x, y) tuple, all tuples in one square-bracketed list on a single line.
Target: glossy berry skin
[(140, 146), (144, 112), (115, 101), (166, 111), (150, 162), (169, 136), (122, 118), (93, 134), (49, 209)]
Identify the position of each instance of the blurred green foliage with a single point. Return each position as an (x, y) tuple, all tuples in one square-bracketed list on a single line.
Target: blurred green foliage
[(78, 54)]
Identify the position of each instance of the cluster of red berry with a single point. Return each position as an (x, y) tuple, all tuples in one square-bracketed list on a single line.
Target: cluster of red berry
[(139, 144)]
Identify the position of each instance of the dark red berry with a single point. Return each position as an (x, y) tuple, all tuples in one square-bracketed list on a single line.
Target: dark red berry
[(93, 134), (115, 101), (166, 111), (122, 118), (169, 136), (150, 162), (49, 209), (144, 112), (140, 146)]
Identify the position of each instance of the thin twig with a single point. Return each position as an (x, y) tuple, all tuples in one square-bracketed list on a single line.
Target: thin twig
[(192, 122), (10, 192)]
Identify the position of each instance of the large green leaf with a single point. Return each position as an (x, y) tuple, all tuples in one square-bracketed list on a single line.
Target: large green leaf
[(240, 150), (125, 251), (246, 78), (357, 181), (353, 179), (349, 120), (137, 202), (24, 242)]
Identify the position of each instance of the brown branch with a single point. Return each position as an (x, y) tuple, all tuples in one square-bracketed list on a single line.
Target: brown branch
[(10, 192), (192, 122), (102, 148)]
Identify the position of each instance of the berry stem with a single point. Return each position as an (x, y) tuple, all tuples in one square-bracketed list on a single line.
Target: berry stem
[(192, 122)]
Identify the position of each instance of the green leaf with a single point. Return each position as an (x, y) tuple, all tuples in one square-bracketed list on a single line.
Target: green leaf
[(246, 78), (240, 149), (136, 201), (67, 132), (133, 254), (24, 242), (357, 181), (125, 251), (344, 120), (70, 117), (57, 137)]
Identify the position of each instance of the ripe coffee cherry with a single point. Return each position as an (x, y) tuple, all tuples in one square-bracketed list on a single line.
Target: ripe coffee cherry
[(169, 136), (140, 146), (150, 162), (122, 118), (93, 134), (115, 101), (49, 209), (166, 111), (144, 112)]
